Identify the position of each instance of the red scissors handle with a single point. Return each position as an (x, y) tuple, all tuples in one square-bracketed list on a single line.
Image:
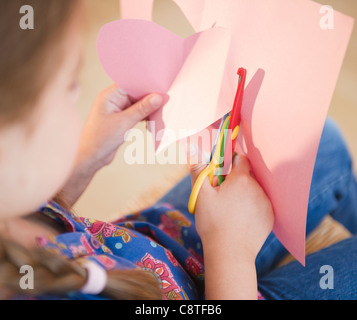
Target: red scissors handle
[(235, 120)]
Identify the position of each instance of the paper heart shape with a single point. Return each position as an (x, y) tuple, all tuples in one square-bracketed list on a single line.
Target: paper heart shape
[(142, 57)]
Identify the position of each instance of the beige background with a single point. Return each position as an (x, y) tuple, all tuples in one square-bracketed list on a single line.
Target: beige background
[(115, 190)]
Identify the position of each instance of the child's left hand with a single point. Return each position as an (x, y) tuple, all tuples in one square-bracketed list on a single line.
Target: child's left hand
[(111, 116)]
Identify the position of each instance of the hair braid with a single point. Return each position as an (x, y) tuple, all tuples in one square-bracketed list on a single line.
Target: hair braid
[(57, 275), (54, 274)]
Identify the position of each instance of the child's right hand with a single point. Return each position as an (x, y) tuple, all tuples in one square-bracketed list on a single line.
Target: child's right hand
[(236, 215)]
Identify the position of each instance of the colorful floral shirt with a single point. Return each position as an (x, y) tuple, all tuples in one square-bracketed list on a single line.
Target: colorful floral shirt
[(160, 240)]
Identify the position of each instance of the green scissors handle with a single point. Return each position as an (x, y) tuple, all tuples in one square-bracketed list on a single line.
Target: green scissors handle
[(209, 171)]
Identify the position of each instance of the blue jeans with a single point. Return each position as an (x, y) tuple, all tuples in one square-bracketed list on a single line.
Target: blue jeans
[(333, 191)]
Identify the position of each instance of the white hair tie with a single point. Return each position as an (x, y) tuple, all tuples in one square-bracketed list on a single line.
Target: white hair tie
[(96, 279)]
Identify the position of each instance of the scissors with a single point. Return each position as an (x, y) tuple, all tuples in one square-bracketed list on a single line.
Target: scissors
[(230, 123)]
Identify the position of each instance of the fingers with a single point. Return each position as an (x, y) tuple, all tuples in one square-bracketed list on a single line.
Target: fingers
[(117, 99), (240, 167), (241, 164), (196, 163), (141, 110)]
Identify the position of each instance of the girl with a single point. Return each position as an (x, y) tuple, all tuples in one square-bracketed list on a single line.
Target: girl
[(46, 163)]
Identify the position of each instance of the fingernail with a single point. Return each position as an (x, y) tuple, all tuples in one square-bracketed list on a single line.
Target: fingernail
[(156, 101), (122, 92)]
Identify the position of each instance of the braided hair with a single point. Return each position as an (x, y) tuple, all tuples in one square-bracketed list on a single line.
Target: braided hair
[(57, 275)]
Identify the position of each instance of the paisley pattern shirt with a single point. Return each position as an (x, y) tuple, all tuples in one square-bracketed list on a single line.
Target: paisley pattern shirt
[(160, 240)]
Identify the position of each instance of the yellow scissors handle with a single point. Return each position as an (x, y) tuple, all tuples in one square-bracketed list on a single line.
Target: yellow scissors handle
[(196, 189), (209, 172)]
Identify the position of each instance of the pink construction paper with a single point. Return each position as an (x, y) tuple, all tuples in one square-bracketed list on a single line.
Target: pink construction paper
[(296, 64), (143, 57), (193, 11), (293, 65)]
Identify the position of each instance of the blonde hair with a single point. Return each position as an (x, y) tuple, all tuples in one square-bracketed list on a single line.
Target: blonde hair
[(55, 275), (28, 58)]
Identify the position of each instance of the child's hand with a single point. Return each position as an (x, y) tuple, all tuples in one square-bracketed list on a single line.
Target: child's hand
[(111, 116), (233, 221), (237, 215)]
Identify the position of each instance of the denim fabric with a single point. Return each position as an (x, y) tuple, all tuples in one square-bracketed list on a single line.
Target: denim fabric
[(333, 191), (295, 282)]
